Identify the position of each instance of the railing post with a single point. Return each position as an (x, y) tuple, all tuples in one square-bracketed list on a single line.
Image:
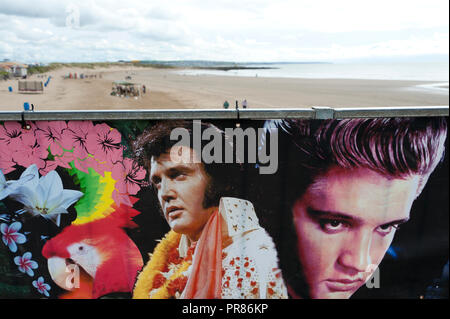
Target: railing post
[(323, 113)]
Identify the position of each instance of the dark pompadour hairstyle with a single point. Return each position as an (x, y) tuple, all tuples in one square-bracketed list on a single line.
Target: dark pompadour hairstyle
[(156, 141), (393, 147)]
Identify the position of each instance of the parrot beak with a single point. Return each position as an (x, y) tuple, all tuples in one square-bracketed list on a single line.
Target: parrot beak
[(67, 274), (60, 272)]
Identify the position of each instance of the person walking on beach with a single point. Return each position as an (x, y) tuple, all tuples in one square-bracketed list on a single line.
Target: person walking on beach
[(244, 104), (226, 105)]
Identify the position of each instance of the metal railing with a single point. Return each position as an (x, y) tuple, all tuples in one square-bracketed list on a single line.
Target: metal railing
[(319, 112)]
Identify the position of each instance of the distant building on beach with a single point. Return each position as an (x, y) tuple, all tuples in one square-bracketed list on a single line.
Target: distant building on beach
[(14, 68)]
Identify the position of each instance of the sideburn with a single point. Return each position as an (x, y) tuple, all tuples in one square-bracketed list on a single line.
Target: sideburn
[(212, 196)]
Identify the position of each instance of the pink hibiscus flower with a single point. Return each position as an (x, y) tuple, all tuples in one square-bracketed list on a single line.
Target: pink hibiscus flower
[(6, 162), (49, 166), (30, 152), (11, 135), (104, 144), (75, 137), (129, 176), (50, 133)]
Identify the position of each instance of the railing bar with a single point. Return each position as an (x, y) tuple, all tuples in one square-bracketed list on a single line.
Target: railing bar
[(257, 114)]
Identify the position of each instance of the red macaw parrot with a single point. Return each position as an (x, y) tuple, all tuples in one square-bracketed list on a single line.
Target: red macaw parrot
[(107, 259)]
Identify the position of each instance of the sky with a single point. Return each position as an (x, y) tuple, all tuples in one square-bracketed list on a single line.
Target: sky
[(43, 31)]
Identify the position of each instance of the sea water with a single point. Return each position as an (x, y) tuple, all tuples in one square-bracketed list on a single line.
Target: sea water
[(435, 74), (420, 71)]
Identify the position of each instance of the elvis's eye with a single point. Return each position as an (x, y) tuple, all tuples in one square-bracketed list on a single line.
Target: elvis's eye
[(332, 225), (178, 176), (156, 181), (387, 229)]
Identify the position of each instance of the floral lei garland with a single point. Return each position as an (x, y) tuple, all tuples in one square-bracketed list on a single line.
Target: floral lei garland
[(164, 276)]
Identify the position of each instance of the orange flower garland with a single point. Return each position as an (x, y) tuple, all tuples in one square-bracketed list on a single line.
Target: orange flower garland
[(152, 282)]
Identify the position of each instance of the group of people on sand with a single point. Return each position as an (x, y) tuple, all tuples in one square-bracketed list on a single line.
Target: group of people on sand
[(82, 76), (128, 90)]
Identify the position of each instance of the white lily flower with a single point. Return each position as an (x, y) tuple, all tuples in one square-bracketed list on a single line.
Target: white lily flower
[(45, 196), (9, 187)]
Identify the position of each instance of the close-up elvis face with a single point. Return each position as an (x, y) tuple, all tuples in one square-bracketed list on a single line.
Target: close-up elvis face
[(345, 222), (181, 184)]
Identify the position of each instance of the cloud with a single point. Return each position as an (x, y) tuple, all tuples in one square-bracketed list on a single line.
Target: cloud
[(263, 30), (23, 8)]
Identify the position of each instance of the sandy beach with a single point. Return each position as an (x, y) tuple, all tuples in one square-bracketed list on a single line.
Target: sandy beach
[(167, 89)]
